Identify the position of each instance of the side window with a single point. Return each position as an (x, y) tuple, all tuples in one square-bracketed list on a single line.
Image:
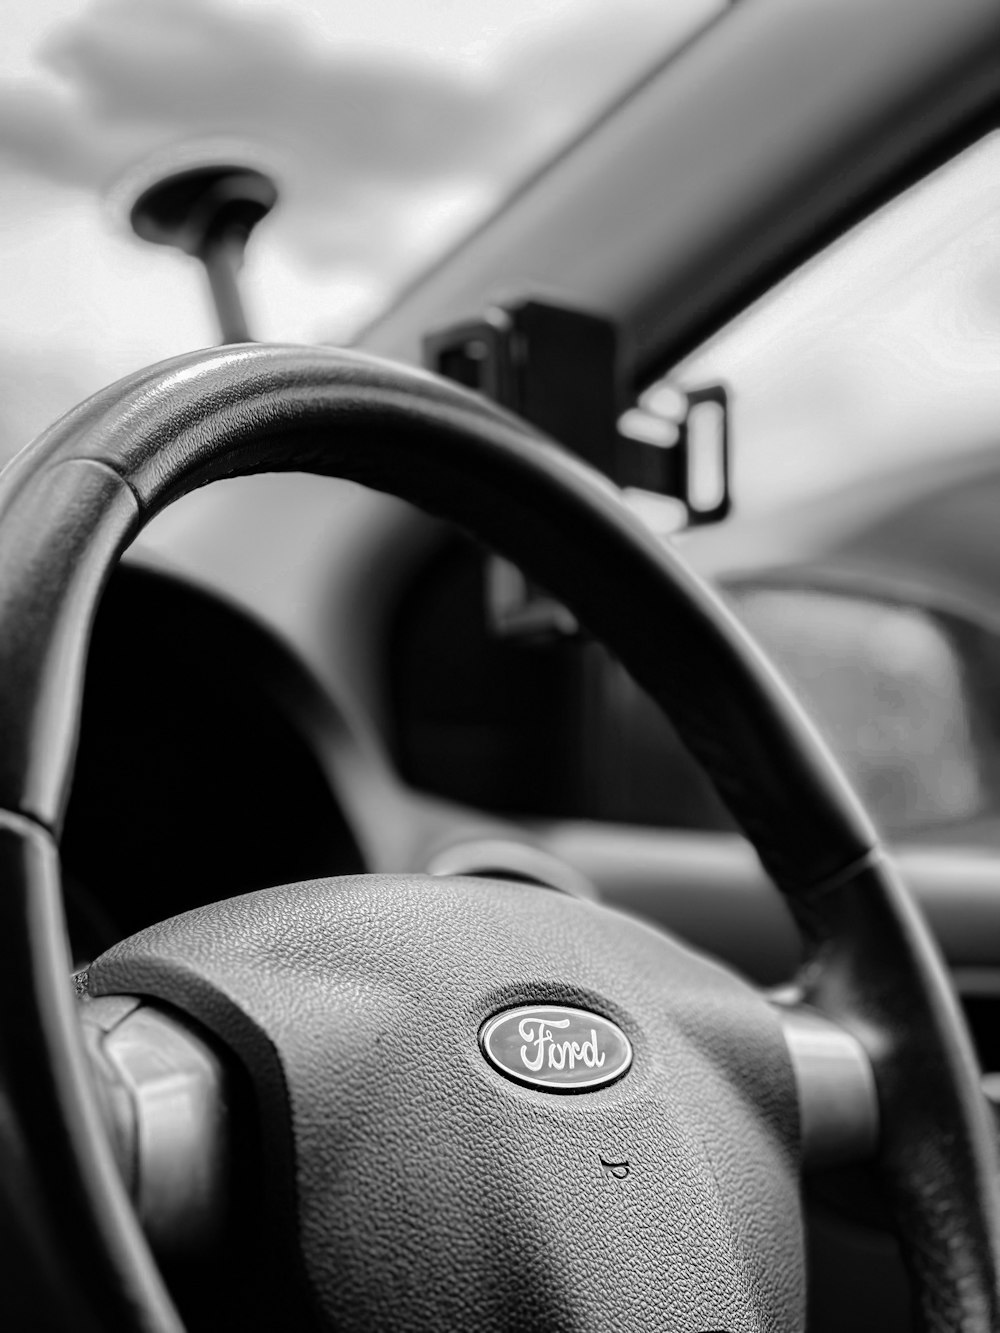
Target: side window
[(884, 350)]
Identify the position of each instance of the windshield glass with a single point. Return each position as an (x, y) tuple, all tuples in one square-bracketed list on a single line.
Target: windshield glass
[(391, 128)]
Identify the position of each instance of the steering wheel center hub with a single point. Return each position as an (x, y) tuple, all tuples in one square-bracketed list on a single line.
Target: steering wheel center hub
[(356, 1005)]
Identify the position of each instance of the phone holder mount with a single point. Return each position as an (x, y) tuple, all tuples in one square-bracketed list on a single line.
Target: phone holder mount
[(560, 369)]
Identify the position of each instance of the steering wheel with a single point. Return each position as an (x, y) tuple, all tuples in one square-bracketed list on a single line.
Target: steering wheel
[(480, 1105)]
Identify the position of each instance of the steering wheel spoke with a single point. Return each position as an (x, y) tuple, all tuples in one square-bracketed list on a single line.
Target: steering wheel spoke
[(164, 1096), (838, 1101)]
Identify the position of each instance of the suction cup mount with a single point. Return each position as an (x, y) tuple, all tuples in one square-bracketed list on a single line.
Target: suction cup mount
[(209, 213)]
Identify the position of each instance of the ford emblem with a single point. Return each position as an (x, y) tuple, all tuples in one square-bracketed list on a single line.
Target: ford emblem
[(556, 1048)]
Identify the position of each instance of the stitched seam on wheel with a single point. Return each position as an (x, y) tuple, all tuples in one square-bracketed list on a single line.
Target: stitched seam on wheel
[(105, 466), (873, 857), (32, 824)]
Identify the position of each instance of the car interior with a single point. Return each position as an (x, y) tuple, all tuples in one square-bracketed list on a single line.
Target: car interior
[(435, 680)]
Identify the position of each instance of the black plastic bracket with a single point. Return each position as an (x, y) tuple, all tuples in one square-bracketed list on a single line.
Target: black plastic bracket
[(559, 369)]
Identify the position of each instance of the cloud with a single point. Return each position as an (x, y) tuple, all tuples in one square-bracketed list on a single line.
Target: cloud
[(191, 66), (375, 151), (348, 135)]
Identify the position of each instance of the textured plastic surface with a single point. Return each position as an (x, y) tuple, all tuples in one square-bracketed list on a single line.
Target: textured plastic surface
[(434, 1193)]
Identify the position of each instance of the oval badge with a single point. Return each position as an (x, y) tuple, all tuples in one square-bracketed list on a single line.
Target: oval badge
[(556, 1048)]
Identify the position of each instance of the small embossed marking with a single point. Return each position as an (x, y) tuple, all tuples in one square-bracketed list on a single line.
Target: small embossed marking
[(615, 1170)]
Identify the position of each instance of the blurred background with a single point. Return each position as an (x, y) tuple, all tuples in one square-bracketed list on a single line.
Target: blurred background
[(392, 129)]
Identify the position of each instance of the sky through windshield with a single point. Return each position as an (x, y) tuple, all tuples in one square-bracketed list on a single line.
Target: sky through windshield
[(391, 127)]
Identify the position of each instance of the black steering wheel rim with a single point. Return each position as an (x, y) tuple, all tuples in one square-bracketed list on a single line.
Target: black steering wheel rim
[(76, 498)]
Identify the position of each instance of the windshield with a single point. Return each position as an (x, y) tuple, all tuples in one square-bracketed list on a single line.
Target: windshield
[(391, 128)]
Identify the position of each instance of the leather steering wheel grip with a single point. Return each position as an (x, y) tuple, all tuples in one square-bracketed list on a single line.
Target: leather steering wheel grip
[(73, 501), (90, 483)]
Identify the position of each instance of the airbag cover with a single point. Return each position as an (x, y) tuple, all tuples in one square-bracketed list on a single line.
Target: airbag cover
[(431, 1191)]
